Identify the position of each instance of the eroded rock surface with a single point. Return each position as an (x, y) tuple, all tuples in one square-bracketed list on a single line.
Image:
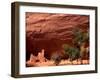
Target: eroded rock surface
[(50, 31)]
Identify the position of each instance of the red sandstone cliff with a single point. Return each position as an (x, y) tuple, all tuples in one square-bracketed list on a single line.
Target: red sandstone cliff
[(50, 31)]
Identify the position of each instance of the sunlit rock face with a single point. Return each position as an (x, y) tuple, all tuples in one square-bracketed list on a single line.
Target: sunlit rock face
[(50, 31)]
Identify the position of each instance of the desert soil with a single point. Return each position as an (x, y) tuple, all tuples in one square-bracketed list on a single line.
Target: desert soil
[(51, 63)]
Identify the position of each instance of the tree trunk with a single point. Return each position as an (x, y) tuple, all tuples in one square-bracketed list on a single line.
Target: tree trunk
[(82, 50)]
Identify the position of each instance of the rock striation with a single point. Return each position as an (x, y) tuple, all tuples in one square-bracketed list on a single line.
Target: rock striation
[(50, 31)]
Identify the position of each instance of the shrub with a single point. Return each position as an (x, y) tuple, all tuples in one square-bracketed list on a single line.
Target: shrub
[(72, 52), (56, 57)]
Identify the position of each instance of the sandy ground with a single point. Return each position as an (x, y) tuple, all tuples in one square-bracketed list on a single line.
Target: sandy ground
[(51, 63)]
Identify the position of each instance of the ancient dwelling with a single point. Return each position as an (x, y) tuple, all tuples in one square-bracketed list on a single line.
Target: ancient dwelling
[(34, 59)]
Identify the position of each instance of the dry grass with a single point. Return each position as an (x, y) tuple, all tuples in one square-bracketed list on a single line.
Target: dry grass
[(51, 63)]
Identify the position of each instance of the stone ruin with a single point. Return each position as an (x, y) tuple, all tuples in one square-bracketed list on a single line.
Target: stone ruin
[(39, 58)]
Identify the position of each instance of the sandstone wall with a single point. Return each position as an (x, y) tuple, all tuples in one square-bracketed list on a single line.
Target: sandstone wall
[(50, 31)]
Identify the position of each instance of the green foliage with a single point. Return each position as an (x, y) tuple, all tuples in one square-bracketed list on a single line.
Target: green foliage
[(72, 52), (80, 37), (86, 36), (65, 47)]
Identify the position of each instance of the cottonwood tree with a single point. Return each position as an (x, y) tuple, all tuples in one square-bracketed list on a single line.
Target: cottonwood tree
[(72, 52), (80, 39)]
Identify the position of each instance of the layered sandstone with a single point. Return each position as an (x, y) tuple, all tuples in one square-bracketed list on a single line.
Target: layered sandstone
[(50, 31)]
